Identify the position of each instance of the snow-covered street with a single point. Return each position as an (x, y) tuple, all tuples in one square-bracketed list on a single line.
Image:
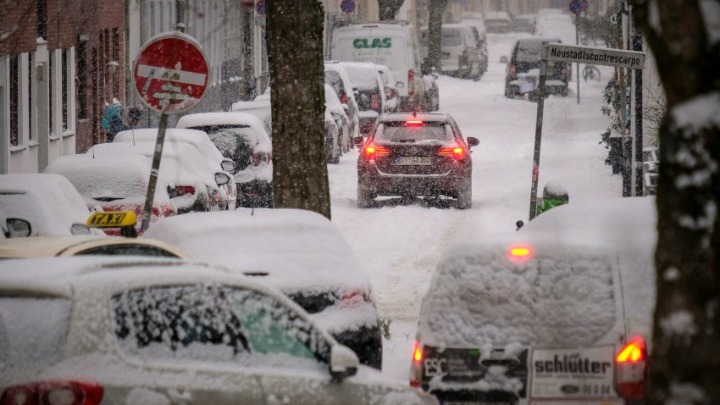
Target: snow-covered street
[(400, 244)]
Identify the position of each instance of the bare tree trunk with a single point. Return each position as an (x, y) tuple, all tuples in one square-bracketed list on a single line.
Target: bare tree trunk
[(294, 42), (685, 359), (388, 8), (436, 8)]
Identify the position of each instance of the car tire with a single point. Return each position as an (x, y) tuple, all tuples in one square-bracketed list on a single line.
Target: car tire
[(464, 197), (364, 196)]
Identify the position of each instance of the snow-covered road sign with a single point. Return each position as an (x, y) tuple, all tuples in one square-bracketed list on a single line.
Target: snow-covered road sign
[(171, 73)]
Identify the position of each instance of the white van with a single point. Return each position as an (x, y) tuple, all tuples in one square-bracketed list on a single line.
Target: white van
[(391, 44)]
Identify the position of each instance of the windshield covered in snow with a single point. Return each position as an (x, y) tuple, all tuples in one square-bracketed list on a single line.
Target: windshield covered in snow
[(560, 297), (33, 331), (217, 323)]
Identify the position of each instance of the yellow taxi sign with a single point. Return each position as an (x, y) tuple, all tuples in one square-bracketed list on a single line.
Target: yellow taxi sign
[(111, 219)]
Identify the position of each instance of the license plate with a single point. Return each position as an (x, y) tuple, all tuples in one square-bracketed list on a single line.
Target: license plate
[(413, 160)]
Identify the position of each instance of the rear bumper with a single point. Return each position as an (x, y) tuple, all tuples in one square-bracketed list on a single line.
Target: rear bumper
[(381, 184)]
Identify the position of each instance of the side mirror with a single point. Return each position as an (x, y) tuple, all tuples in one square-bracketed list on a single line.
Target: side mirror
[(472, 141), (519, 224), (228, 165), (18, 228), (343, 363), (358, 141), (221, 178), (503, 59)]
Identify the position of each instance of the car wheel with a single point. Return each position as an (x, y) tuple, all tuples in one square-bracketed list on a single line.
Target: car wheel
[(364, 196), (464, 197)]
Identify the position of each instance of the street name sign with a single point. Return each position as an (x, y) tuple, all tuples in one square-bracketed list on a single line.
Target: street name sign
[(594, 56), (171, 73)]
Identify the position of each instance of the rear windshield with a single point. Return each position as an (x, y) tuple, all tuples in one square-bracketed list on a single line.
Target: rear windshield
[(451, 37), (33, 331), (561, 299), (401, 132)]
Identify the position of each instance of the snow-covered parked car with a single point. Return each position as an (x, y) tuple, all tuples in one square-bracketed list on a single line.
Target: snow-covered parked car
[(559, 311), (48, 202), (301, 253), (338, 114), (240, 137), (211, 156), (369, 92), (92, 330), (337, 77)]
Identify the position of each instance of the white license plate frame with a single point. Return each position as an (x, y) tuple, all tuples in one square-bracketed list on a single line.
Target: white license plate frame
[(413, 161)]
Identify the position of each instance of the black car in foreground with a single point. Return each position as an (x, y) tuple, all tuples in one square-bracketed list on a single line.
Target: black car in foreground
[(412, 154), (523, 70)]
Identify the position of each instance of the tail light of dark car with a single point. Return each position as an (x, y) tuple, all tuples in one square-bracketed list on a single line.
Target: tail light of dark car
[(181, 190), (631, 369), (54, 393), (344, 98), (373, 151), (455, 152), (411, 82), (416, 367)]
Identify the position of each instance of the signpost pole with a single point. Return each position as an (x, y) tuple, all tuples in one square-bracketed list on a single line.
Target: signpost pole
[(577, 65), (149, 199), (538, 137)]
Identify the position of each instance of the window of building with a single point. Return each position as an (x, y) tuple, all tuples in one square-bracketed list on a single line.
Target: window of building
[(14, 100), (42, 18)]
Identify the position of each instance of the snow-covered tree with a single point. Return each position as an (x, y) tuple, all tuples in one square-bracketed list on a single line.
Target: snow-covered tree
[(295, 56), (684, 36)]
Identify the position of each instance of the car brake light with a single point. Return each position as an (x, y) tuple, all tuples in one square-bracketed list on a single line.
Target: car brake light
[(344, 98), (375, 102), (411, 82), (416, 365), (631, 369), (54, 393), (520, 254), (413, 123), (259, 158), (354, 297), (373, 151), (185, 190), (456, 152)]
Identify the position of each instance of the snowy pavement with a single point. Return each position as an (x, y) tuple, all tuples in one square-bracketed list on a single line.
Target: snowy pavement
[(400, 244)]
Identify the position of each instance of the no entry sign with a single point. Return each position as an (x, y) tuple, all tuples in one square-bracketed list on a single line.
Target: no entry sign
[(171, 73)]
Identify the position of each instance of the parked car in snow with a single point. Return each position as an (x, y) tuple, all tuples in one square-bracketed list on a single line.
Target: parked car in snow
[(91, 330), (391, 90), (338, 114), (259, 107), (83, 245), (240, 137), (215, 161), (369, 92), (48, 202), (524, 23), (461, 51), (299, 252), (415, 155), (523, 69), (498, 22), (558, 311), (338, 79)]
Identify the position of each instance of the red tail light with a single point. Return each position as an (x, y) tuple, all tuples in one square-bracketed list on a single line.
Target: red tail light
[(456, 152), (375, 102), (512, 71), (416, 365), (373, 151), (631, 369), (54, 393), (344, 98), (411, 82), (259, 158), (413, 123), (185, 190), (354, 297)]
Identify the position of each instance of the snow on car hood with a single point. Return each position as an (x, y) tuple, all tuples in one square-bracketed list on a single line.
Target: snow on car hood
[(299, 250)]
